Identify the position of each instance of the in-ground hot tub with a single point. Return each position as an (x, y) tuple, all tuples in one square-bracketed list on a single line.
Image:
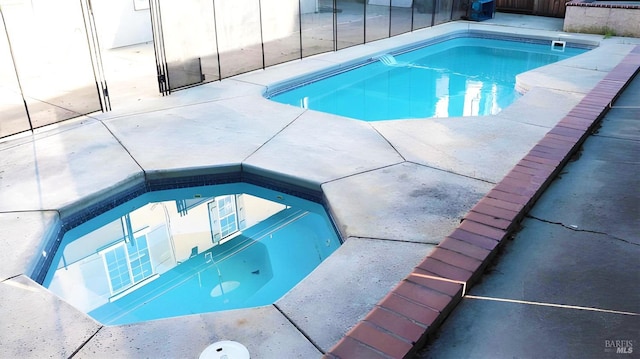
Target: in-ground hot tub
[(190, 250)]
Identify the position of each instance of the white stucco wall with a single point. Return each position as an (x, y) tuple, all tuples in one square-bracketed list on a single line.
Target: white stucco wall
[(119, 24)]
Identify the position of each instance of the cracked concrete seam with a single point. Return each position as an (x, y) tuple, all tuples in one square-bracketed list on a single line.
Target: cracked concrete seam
[(82, 345), (576, 229), (432, 243)]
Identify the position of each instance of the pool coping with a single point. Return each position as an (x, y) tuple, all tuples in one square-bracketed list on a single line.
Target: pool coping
[(403, 321)]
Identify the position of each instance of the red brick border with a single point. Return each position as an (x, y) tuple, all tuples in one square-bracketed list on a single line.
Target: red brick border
[(401, 322)]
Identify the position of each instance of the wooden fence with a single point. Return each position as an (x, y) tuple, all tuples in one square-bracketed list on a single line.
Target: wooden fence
[(551, 8)]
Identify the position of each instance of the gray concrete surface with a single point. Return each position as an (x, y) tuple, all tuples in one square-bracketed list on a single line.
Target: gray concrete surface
[(21, 240), (382, 203), (583, 201), (213, 134), (59, 170), (264, 331), (574, 265), (471, 146), (37, 324), (365, 269), (337, 149)]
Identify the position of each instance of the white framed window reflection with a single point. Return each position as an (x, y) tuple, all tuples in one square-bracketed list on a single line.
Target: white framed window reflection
[(224, 218), (127, 264)]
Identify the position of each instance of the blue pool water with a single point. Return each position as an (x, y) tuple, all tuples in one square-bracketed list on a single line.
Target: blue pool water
[(457, 77), (188, 251)]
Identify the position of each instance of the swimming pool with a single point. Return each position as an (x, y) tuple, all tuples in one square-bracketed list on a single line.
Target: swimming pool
[(192, 250), (464, 76)]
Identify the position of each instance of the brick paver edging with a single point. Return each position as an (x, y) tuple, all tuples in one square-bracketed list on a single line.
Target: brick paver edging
[(402, 321)]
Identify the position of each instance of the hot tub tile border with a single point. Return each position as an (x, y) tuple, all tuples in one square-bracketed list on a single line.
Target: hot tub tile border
[(461, 258)]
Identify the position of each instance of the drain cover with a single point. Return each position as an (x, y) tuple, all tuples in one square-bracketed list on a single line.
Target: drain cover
[(225, 349)]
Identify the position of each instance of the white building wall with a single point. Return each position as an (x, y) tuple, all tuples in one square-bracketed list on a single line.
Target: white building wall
[(119, 24)]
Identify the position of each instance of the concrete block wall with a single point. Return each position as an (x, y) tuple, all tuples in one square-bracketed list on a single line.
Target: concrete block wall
[(607, 19)]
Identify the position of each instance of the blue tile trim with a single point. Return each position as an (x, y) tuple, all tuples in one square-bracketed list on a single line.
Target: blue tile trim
[(284, 187), (75, 218), (51, 244), (192, 181)]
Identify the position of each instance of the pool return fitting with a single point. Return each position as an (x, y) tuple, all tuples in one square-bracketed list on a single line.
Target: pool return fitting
[(225, 349)]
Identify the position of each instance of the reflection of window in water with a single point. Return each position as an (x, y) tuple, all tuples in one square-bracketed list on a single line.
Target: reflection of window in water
[(127, 263), (225, 216), (117, 267), (227, 212)]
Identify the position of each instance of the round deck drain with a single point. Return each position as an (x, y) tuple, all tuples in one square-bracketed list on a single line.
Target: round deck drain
[(225, 349)]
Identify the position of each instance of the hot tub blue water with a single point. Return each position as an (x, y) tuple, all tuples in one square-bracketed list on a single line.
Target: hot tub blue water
[(457, 77), (188, 251)]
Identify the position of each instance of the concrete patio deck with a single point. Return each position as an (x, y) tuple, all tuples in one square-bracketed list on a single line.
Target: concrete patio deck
[(565, 286), (395, 189)]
